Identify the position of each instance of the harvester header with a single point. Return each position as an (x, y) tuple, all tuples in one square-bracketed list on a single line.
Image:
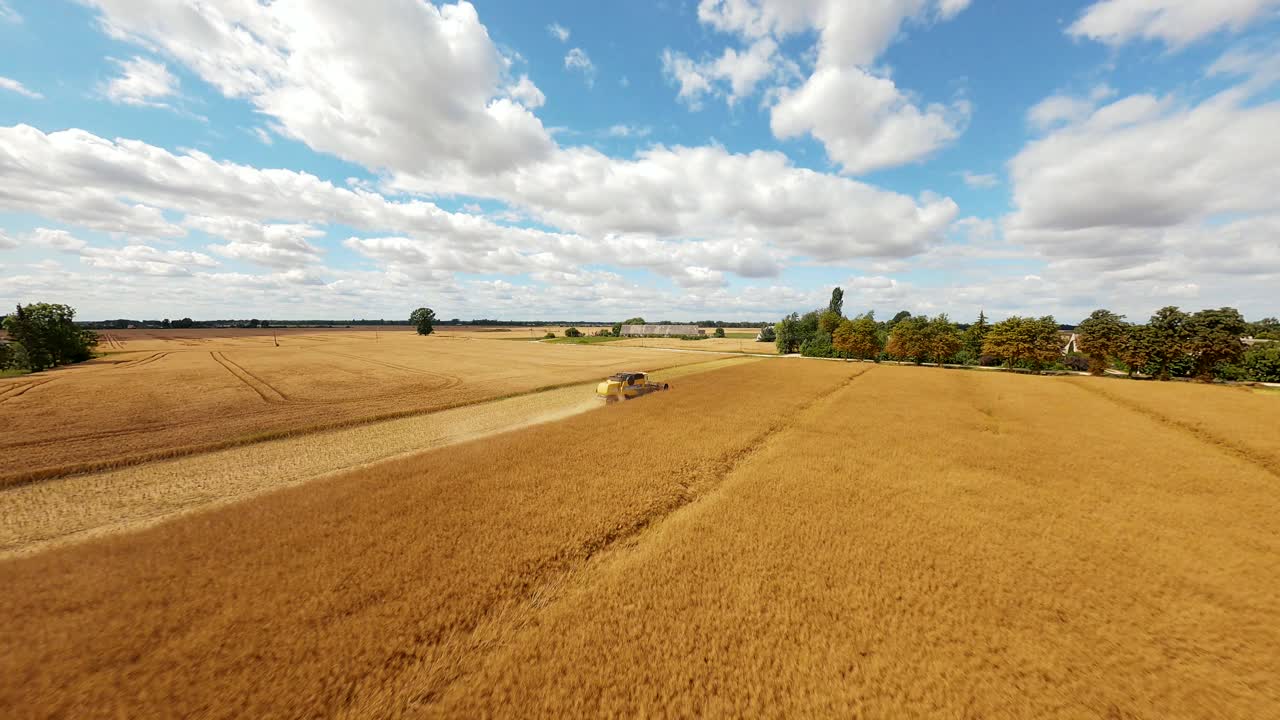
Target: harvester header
[(627, 386)]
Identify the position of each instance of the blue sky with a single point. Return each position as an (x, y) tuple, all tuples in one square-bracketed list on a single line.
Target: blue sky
[(683, 159)]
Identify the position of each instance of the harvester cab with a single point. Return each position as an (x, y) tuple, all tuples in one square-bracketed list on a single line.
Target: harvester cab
[(627, 386)]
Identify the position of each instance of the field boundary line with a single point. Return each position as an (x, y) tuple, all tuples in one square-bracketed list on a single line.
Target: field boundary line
[(486, 628), (1204, 436), (88, 467)]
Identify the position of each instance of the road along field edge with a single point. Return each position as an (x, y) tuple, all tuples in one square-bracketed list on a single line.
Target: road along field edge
[(40, 516)]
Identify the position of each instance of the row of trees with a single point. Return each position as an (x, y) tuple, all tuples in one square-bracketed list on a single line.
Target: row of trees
[(44, 335), (1205, 345), (1208, 344)]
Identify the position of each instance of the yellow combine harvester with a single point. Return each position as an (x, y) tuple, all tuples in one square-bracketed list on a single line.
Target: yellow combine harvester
[(627, 386)]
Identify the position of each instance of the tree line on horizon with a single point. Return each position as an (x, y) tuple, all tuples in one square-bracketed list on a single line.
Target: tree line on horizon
[(1205, 345)]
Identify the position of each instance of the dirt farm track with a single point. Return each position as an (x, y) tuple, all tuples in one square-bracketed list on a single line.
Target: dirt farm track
[(401, 527)]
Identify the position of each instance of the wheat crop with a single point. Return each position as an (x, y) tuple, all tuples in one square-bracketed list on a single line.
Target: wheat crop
[(781, 538), (190, 391)]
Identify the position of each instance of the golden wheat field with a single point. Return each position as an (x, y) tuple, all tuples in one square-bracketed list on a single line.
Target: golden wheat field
[(781, 538), (734, 345), (157, 394)]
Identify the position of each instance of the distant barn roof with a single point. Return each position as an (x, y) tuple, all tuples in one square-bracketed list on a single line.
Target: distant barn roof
[(661, 330)]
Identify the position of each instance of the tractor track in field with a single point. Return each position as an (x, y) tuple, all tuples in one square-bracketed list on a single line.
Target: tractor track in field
[(449, 380), (264, 389), (1223, 444), (22, 388), (100, 435), (142, 361)]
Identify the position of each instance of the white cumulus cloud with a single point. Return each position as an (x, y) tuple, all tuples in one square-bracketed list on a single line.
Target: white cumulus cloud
[(145, 260), (1175, 22), (526, 93), (979, 180), (394, 84), (141, 82), (1148, 184), (858, 113), (577, 60), (558, 31), (14, 86)]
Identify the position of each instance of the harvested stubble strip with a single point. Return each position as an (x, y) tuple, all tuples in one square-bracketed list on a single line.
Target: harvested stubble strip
[(929, 543), (334, 596)]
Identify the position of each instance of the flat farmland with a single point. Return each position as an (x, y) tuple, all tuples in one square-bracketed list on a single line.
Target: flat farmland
[(164, 394), (783, 538)]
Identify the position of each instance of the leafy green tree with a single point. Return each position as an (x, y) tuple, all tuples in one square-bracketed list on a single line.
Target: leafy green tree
[(719, 332), (1101, 336), (787, 334), (837, 303), (617, 329), (943, 339), (1214, 339), (858, 338), (1135, 348), (572, 332), (808, 324), (183, 323), (1261, 363), (1029, 342), (1168, 335), (49, 336), (902, 315), (766, 334), (828, 321), (423, 319), (634, 321), (909, 339), (1265, 329), (974, 334), (13, 357), (818, 345)]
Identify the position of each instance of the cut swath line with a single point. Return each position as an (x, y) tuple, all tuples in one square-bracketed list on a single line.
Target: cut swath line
[(264, 391)]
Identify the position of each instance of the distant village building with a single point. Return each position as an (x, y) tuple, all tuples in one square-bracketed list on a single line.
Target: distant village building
[(661, 331), (1073, 342)]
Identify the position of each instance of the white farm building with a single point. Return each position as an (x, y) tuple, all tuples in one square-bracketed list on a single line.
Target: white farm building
[(661, 330)]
